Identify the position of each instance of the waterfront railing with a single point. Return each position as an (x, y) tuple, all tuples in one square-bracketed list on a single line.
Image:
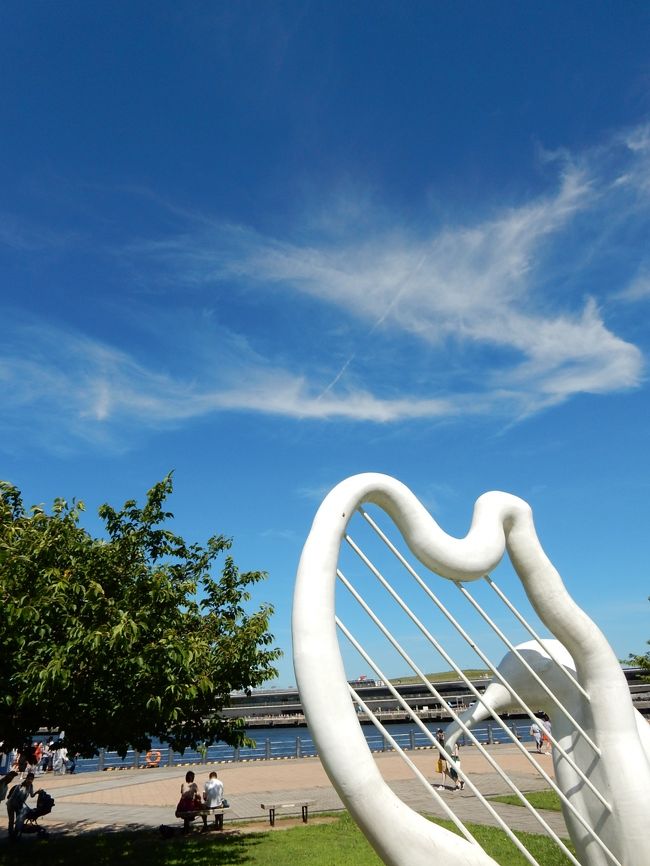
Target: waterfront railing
[(274, 745)]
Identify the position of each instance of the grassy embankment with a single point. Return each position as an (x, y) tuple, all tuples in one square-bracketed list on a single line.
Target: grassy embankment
[(443, 677), (339, 842)]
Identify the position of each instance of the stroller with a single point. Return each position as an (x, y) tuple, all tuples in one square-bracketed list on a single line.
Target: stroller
[(44, 805)]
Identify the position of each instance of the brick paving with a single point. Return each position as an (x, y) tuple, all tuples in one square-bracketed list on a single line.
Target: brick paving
[(123, 799)]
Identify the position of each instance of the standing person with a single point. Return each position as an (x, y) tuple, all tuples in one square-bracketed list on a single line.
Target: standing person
[(443, 769), (17, 804), (5, 781), (213, 791), (58, 759), (546, 730), (23, 760), (47, 757), (536, 734), (453, 769), (441, 765), (38, 754)]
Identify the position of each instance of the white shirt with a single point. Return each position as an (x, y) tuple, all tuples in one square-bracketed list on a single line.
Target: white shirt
[(213, 793)]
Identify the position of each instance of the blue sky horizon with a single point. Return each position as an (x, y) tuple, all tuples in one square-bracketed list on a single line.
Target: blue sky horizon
[(268, 246)]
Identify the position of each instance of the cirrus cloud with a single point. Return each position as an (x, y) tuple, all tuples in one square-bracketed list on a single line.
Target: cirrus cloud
[(500, 316)]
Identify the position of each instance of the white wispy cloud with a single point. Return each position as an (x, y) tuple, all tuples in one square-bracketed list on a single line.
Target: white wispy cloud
[(95, 390), (492, 293), (458, 281), (477, 285), (638, 289), (637, 141)]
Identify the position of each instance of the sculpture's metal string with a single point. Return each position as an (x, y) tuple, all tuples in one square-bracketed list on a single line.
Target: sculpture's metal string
[(436, 644), (493, 668), (444, 751), (484, 658), (545, 689), (395, 745), (531, 631), (400, 836)]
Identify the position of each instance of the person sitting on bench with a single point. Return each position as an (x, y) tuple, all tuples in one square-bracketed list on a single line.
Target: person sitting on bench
[(213, 792), (190, 803)]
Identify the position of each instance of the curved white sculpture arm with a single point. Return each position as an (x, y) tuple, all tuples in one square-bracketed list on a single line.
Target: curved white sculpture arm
[(499, 699), (500, 521)]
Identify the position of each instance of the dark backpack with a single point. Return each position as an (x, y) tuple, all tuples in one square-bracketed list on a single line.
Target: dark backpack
[(44, 803)]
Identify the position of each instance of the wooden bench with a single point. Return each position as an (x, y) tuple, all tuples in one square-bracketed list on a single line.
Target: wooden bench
[(217, 811), (272, 807)]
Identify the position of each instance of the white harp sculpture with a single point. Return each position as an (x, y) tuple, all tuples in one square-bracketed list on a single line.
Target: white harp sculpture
[(601, 752)]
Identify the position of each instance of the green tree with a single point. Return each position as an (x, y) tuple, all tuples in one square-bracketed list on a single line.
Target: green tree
[(120, 639), (641, 661)]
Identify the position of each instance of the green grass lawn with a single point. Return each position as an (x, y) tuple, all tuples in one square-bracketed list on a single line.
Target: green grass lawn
[(539, 799), (339, 843), (443, 676)]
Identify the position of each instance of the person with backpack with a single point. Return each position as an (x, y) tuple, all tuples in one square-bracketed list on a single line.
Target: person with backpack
[(17, 804)]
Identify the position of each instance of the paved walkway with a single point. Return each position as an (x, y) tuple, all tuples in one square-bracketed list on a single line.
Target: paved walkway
[(123, 799)]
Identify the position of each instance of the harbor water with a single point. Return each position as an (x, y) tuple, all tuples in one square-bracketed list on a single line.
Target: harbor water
[(292, 742)]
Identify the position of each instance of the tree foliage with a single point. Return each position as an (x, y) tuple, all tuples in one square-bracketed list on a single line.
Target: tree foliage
[(119, 639), (641, 661)]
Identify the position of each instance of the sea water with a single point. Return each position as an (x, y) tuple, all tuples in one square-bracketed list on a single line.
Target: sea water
[(282, 743)]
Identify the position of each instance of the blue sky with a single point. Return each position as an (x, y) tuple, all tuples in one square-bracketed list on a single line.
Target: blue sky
[(269, 246)]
